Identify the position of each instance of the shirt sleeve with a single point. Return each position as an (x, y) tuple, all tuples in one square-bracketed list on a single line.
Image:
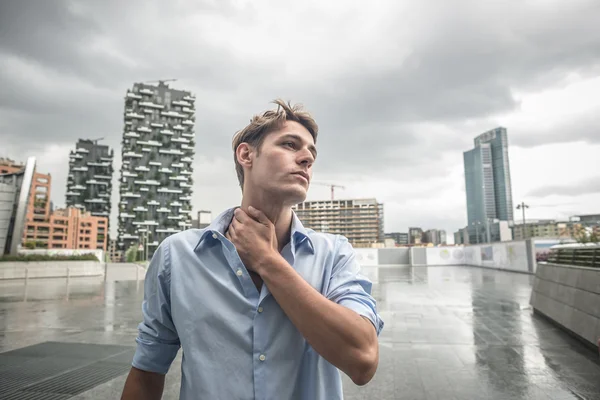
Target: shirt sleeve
[(157, 340), (349, 288)]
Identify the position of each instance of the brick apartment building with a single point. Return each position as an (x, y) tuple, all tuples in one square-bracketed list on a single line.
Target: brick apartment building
[(68, 228)]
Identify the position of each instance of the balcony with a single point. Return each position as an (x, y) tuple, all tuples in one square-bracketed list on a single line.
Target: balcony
[(102, 177), (146, 111), (146, 150), (83, 169), (142, 168), (188, 122), (165, 170), (153, 203), (150, 223), (181, 103), (81, 150), (173, 114), (175, 217), (131, 154), (129, 236), (125, 215), (155, 163), (186, 147), (156, 125), (140, 208), (97, 201), (185, 185), (188, 135), (132, 95), (144, 129), (178, 165), (178, 178), (179, 140), (131, 195), (148, 182), (144, 189), (186, 159), (186, 198), (179, 127), (78, 187), (150, 105), (147, 91), (185, 172), (189, 98), (166, 132), (134, 115), (171, 151), (131, 174), (76, 156), (70, 194), (163, 210), (188, 110), (176, 204), (150, 143), (166, 190), (168, 230), (103, 195), (95, 164)]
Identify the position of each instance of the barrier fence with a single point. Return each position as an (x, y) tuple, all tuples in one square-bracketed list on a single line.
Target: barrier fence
[(584, 256)]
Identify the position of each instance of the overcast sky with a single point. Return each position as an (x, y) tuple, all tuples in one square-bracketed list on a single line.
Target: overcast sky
[(399, 89)]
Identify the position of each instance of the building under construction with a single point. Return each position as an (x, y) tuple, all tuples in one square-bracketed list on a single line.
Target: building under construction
[(360, 220)]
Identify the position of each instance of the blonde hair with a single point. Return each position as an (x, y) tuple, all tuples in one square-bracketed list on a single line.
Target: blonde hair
[(261, 125)]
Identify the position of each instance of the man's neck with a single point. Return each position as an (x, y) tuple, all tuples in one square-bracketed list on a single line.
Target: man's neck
[(280, 215)]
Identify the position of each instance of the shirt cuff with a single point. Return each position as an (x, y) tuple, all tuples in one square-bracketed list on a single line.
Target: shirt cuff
[(364, 310), (154, 357)]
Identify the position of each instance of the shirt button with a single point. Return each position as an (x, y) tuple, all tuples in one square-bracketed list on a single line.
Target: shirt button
[(239, 272), (214, 236), (260, 309), (262, 357)]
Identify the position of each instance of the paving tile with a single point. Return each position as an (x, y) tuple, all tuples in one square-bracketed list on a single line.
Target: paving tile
[(450, 333)]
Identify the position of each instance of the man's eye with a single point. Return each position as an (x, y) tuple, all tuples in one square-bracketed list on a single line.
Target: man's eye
[(291, 144)]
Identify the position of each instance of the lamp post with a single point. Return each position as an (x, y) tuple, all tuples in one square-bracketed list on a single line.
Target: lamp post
[(522, 207)]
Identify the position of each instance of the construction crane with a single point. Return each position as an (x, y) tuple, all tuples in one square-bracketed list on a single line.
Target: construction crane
[(161, 80), (96, 140), (331, 185)]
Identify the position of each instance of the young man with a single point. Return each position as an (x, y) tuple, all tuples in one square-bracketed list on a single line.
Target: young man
[(262, 307)]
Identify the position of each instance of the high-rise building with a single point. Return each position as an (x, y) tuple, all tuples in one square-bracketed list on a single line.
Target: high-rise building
[(38, 202), (359, 220), (400, 238), (434, 236), (487, 182), (415, 235), (89, 184), (15, 194), (156, 173)]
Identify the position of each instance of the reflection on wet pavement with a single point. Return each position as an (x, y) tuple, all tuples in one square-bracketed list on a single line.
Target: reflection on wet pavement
[(450, 333)]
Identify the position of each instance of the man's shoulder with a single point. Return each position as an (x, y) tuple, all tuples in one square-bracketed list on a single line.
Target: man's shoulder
[(327, 241), (187, 239)]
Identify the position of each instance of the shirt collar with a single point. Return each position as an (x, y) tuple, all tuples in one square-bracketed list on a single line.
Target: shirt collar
[(299, 234)]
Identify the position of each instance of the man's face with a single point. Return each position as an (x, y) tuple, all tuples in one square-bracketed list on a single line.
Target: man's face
[(283, 168)]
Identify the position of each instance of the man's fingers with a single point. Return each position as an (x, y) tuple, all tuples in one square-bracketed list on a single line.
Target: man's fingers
[(258, 215)]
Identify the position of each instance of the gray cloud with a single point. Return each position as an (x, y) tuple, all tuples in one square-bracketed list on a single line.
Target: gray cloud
[(379, 97), (574, 189)]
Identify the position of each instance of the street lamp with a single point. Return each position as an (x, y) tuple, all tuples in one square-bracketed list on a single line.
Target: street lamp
[(522, 207)]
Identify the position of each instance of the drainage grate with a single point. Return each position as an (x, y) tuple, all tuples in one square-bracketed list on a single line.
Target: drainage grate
[(57, 371)]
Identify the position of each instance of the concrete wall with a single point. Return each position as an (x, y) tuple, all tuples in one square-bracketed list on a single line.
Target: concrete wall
[(50, 269), (64, 252), (395, 256), (418, 256), (570, 296)]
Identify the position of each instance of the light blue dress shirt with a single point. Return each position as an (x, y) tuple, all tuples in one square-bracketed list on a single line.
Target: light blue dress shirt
[(238, 343)]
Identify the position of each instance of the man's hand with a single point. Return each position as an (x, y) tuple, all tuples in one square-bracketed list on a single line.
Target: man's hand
[(253, 236)]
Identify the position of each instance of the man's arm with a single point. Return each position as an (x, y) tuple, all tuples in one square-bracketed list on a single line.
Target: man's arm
[(142, 385), (344, 338), (157, 340)]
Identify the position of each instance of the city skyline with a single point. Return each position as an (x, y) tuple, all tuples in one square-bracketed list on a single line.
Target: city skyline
[(393, 127)]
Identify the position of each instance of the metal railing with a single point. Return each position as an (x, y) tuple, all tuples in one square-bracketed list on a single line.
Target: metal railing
[(584, 256)]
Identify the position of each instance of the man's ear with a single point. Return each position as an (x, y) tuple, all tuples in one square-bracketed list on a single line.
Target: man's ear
[(245, 154)]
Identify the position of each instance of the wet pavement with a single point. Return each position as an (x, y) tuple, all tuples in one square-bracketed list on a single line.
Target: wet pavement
[(450, 333)]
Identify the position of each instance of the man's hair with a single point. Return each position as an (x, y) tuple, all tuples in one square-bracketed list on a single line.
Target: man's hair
[(269, 121)]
